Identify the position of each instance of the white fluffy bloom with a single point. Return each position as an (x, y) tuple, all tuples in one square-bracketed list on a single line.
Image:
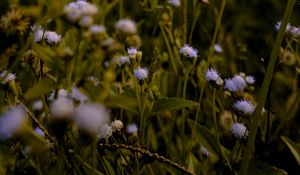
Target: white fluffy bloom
[(91, 117), (239, 130), (62, 107), (244, 106), (120, 60), (6, 77), (237, 83), (108, 42), (250, 79), (105, 132), (132, 51), (126, 26), (95, 80), (188, 51), (218, 48), (37, 105), (60, 93), (240, 82), (204, 151), (75, 10), (132, 128), (52, 38), (213, 75), (141, 73), (39, 132), (292, 30), (175, 3), (97, 29), (76, 94), (11, 121), (86, 21), (116, 125), (278, 24)]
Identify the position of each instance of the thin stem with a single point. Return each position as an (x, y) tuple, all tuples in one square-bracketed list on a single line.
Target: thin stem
[(171, 56), (218, 24), (215, 122), (184, 20), (265, 86)]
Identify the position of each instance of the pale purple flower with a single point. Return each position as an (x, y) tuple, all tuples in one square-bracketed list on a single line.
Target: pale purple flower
[(188, 51), (132, 128), (52, 38), (126, 26), (239, 130), (97, 29), (11, 121), (175, 3), (7, 77), (105, 132), (141, 73), (244, 106), (62, 107)]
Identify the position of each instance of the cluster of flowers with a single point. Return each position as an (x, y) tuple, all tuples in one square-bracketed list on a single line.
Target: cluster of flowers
[(51, 37), (235, 84), (6, 77), (89, 116), (291, 30)]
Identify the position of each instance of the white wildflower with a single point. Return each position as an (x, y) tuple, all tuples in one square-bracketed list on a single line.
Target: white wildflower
[(218, 48), (239, 130), (244, 106), (213, 75), (60, 93), (39, 132), (95, 80), (62, 107), (126, 26), (141, 73), (132, 51), (52, 38), (132, 128), (91, 117), (97, 29), (237, 83), (204, 151), (120, 60), (86, 21), (76, 10), (188, 51), (6, 77), (11, 121), (116, 125), (37, 105), (175, 3), (76, 94), (105, 132), (250, 79)]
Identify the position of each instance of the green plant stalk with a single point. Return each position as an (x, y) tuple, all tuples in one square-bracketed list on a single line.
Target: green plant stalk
[(183, 96), (169, 49), (218, 24), (215, 122), (184, 4), (200, 101), (265, 86), (141, 111), (194, 24), (121, 8)]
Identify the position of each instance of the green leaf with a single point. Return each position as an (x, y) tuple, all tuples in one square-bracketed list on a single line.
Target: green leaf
[(70, 39), (123, 102), (166, 104), (46, 53), (204, 137), (258, 167), (294, 148), (43, 87)]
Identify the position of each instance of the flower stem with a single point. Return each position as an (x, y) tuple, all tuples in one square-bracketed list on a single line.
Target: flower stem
[(265, 86)]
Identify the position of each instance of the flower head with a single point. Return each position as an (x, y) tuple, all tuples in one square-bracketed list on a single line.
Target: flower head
[(76, 10), (105, 132), (97, 29), (91, 117), (11, 121), (132, 128), (62, 107), (204, 151), (39, 132), (38, 32), (37, 105), (239, 130), (116, 125), (86, 21), (141, 73), (132, 51), (250, 79), (235, 84), (76, 94), (175, 3), (52, 38), (126, 26), (188, 51), (244, 106), (6, 77), (213, 76), (218, 48)]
